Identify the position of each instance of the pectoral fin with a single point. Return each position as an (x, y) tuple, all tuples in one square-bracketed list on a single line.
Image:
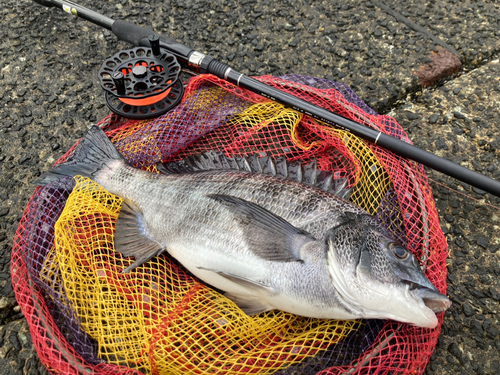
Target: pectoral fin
[(267, 235), (130, 238)]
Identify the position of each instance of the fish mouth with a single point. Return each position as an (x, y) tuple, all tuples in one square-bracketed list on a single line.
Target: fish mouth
[(432, 299)]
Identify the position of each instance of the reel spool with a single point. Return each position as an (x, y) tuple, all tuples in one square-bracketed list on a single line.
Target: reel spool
[(141, 83)]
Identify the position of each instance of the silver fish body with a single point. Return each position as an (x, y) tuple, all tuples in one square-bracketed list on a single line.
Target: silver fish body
[(268, 242), (203, 234)]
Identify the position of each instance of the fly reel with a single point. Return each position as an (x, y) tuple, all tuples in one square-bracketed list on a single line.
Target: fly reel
[(142, 82)]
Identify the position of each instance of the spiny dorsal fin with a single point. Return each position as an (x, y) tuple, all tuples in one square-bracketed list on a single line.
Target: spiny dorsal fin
[(254, 163), (307, 174), (268, 166)]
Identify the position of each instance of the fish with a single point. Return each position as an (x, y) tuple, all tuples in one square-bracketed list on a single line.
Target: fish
[(269, 234)]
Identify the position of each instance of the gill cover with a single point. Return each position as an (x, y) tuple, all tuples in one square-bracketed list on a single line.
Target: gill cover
[(377, 277)]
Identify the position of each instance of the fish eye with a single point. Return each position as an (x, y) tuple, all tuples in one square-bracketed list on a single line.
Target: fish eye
[(400, 251)]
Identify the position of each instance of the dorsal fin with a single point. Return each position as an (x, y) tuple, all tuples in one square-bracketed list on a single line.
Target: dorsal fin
[(307, 174)]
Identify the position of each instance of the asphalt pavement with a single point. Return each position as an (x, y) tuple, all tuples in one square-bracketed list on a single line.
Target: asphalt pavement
[(432, 65)]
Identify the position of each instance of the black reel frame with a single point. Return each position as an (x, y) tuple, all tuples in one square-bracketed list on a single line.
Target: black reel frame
[(142, 82), (146, 111)]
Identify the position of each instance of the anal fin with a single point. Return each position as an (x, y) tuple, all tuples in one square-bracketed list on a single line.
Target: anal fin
[(249, 303), (130, 239)]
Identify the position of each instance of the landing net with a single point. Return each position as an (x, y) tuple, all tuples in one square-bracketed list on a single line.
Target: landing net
[(86, 317)]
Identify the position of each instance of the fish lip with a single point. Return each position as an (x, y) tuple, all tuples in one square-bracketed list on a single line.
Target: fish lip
[(431, 298)]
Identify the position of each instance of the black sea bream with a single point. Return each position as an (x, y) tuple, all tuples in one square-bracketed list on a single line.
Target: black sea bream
[(266, 241)]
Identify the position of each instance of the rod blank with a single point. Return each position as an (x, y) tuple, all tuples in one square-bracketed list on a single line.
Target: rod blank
[(199, 62)]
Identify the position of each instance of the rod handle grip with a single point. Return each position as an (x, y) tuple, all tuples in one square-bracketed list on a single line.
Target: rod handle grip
[(45, 3), (134, 34), (138, 36)]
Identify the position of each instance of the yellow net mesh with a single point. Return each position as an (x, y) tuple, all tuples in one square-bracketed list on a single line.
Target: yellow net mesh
[(373, 180), (157, 319), (160, 320)]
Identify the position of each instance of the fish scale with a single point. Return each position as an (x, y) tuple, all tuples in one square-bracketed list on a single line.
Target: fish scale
[(279, 240), (290, 201)]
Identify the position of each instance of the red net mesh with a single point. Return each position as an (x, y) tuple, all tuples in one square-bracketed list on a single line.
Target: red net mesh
[(86, 317)]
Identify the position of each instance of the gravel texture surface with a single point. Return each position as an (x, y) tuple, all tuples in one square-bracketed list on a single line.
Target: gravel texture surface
[(50, 93), (459, 121)]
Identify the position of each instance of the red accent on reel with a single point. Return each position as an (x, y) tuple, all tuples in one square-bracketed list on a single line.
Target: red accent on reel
[(160, 105), (146, 101)]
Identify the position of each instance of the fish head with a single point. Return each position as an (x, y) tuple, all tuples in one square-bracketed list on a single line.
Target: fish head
[(378, 277)]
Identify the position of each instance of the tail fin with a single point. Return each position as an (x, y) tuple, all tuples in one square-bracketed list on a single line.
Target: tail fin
[(91, 154)]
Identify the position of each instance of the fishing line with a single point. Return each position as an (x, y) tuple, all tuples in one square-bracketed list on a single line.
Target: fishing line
[(415, 26), (464, 194)]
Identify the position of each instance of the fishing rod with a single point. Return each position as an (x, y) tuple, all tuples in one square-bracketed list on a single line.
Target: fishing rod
[(200, 63)]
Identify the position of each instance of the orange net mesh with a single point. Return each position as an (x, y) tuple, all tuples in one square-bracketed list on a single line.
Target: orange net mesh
[(86, 316)]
